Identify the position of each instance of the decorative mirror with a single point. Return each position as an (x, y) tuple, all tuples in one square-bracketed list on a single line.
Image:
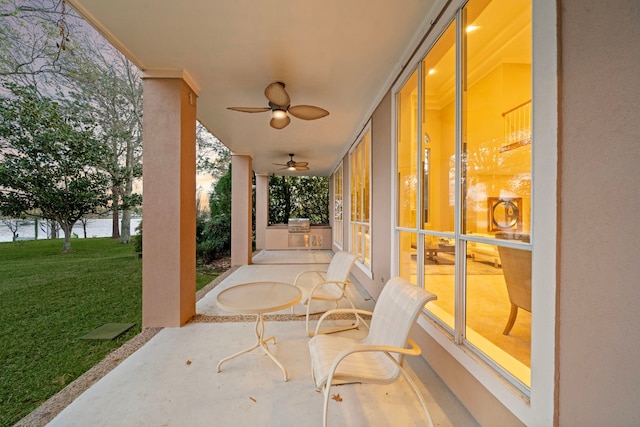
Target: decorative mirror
[(505, 213)]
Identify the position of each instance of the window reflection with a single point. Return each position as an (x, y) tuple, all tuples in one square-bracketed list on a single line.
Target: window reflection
[(496, 116)]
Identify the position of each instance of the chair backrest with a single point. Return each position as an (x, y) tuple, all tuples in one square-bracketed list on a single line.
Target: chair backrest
[(395, 312), (516, 267), (340, 266)]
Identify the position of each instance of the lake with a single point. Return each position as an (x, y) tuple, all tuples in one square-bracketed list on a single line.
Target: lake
[(99, 227)]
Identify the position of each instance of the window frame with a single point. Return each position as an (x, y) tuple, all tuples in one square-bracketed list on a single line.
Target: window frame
[(338, 224), (364, 259)]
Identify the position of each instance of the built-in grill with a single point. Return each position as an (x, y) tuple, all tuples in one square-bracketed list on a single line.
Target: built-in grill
[(298, 225), (300, 235)]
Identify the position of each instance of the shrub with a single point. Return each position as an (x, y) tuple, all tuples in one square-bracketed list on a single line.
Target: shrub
[(137, 239), (215, 239)]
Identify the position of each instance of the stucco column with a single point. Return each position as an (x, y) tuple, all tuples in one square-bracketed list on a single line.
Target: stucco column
[(241, 206), (262, 210), (169, 211)]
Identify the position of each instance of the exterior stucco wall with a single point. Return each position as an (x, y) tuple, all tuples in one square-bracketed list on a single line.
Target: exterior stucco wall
[(599, 195), (241, 207)]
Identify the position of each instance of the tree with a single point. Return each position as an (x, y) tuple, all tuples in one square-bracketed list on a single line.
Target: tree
[(110, 89), (298, 197), (213, 238), (212, 156), (34, 34), (13, 224), (49, 160), (48, 44)]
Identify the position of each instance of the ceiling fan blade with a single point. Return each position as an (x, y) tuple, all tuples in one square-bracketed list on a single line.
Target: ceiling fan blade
[(279, 123), (303, 164), (280, 164), (250, 109), (301, 168), (308, 112), (276, 94)]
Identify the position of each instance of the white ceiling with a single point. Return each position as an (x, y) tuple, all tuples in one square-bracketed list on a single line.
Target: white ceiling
[(341, 55)]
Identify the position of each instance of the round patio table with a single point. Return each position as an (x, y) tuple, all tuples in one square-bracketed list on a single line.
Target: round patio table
[(258, 298)]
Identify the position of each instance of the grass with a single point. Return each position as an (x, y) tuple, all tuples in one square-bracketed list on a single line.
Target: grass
[(48, 300)]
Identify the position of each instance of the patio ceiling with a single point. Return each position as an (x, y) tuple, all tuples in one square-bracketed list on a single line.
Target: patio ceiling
[(341, 55)]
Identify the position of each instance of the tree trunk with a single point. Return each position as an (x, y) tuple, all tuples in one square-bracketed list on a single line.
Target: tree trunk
[(84, 222), (125, 236), (54, 230), (115, 227), (287, 198), (66, 228)]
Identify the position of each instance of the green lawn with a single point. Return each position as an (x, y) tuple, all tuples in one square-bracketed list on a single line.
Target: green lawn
[(48, 300)]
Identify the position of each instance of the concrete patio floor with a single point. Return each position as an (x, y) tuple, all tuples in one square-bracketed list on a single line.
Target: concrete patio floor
[(172, 379)]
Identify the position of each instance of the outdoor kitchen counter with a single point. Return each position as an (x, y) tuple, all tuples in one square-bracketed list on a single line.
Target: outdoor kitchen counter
[(277, 236)]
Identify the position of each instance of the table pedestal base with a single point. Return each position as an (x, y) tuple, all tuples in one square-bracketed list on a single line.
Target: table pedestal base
[(261, 342)]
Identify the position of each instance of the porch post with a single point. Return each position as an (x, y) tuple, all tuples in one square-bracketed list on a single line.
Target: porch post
[(169, 215), (241, 206), (262, 210)]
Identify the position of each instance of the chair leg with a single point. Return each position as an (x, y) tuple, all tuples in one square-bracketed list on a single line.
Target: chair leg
[(420, 398), (358, 319), (512, 319), (307, 317), (326, 390)]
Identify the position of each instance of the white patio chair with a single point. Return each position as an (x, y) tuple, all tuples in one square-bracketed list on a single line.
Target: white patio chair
[(328, 286), (379, 357)]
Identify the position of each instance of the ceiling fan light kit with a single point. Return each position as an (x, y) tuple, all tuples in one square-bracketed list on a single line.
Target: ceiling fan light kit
[(280, 105), (278, 114), (292, 165)]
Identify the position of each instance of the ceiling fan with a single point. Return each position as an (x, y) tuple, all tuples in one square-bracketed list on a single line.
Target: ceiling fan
[(279, 105), (293, 165)]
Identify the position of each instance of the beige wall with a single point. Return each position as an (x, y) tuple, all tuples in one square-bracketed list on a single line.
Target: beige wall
[(599, 196)]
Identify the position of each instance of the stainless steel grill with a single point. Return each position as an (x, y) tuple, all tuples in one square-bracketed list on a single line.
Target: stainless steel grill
[(298, 225)]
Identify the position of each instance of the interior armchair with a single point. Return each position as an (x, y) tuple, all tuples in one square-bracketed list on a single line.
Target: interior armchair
[(516, 267), (320, 287), (379, 357)]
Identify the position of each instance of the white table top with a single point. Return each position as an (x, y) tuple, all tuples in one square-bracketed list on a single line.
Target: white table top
[(258, 297)]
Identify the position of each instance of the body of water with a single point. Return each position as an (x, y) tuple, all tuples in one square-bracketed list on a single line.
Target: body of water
[(99, 227)]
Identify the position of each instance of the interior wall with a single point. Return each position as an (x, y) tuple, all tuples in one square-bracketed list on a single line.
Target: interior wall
[(598, 334)]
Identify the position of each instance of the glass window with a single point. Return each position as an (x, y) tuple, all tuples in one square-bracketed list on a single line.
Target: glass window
[(497, 116), (407, 255), (496, 122), (359, 170), (438, 174), (407, 153), (464, 182), (337, 207)]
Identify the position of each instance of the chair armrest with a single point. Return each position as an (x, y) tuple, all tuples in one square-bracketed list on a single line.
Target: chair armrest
[(340, 311), (413, 350)]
